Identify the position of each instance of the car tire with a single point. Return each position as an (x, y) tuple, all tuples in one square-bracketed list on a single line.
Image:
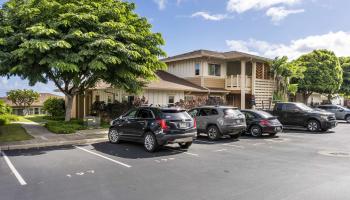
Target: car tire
[(150, 142), (255, 131), (213, 132), (113, 136), (313, 125), (347, 118), (185, 145)]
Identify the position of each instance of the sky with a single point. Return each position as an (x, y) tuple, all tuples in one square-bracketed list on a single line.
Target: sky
[(267, 28)]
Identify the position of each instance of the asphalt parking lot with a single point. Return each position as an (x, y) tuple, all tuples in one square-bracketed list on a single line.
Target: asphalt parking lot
[(293, 165)]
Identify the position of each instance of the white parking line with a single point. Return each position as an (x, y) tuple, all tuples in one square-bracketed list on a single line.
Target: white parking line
[(99, 155), (175, 150), (220, 150), (13, 169)]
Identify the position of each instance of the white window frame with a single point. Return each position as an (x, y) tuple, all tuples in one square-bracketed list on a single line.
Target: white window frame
[(215, 64)]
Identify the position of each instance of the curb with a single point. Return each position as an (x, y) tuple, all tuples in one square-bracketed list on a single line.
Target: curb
[(52, 144)]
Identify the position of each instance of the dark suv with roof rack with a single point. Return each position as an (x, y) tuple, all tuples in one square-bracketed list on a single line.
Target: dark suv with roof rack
[(154, 127)]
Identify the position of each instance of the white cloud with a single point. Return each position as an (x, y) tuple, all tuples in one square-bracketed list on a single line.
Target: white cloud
[(338, 42), (241, 6), (161, 4), (279, 13), (212, 17)]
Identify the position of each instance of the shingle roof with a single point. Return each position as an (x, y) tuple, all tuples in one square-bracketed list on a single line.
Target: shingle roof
[(215, 54), (165, 81), (42, 98)]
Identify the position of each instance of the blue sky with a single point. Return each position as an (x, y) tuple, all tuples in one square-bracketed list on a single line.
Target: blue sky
[(265, 27)]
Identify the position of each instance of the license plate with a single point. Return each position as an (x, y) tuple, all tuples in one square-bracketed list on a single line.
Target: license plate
[(278, 128), (183, 125), (239, 121)]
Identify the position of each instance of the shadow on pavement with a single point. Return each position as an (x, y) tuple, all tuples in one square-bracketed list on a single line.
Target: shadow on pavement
[(132, 150), (36, 151)]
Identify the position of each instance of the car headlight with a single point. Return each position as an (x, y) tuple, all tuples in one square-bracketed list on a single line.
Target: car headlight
[(111, 123)]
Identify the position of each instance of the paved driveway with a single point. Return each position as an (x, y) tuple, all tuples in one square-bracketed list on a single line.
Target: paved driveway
[(294, 165)]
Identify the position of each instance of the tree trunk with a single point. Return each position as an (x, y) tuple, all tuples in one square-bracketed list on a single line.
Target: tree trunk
[(329, 98), (69, 105)]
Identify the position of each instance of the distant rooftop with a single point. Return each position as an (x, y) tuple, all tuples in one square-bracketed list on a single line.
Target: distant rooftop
[(214, 54)]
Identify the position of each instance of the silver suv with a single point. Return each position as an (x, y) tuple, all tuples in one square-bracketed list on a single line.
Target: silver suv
[(217, 121), (341, 113)]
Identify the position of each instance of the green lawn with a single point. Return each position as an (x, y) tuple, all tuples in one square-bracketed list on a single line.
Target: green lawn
[(13, 132), (36, 118)]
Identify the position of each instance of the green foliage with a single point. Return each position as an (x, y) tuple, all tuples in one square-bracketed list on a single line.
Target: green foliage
[(76, 43), (7, 118), (62, 127), (279, 96), (322, 74), (345, 64), (23, 98), (55, 107), (4, 108), (283, 72), (13, 132)]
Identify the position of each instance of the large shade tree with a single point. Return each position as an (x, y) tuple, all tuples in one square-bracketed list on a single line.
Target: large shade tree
[(345, 64), (76, 43), (322, 74)]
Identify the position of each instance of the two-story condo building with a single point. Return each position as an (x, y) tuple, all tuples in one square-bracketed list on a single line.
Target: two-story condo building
[(233, 76)]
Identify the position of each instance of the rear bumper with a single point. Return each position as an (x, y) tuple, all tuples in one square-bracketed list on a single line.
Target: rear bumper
[(329, 124), (272, 129), (232, 130), (189, 136)]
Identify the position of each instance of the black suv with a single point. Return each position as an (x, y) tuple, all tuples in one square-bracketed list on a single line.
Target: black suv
[(154, 127), (299, 114)]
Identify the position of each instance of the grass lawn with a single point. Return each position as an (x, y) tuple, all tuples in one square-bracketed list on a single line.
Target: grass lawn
[(36, 118), (13, 132)]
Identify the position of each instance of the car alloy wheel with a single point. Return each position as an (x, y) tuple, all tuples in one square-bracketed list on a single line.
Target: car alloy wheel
[(150, 142), (313, 125), (255, 131), (213, 133), (347, 118), (113, 136)]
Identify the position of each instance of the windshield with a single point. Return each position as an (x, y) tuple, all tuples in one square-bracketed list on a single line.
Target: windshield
[(232, 112), (175, 115), (304, 107)]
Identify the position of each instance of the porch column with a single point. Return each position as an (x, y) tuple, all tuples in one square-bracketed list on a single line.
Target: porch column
[(253, 79), (243, 86)]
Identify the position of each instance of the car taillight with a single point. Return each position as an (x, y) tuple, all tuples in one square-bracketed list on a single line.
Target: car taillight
[(194, 123), (162, 124), (264, 122)]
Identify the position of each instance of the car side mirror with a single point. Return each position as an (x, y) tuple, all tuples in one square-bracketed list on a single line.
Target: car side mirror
[(341, 110)]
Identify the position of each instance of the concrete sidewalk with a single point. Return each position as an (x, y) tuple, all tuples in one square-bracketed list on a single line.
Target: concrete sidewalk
[(45, 138)]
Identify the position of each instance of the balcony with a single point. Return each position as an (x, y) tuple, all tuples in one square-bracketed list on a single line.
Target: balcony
[(233, 82)]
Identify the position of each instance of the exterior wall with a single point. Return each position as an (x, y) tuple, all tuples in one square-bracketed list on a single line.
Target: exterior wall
[(185, 68), (36, 110), (214, 82), (317, 98), (161, 97)]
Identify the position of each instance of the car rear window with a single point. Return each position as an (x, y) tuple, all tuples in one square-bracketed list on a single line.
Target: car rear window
[(264, 114), (232, 112), (175, 114)]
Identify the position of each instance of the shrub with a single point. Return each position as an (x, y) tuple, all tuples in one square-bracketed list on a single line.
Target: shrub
[(7, 118), (55, 107), (61, 127), (4, 108)]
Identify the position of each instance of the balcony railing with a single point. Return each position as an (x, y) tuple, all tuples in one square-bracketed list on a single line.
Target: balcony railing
[(233, 82)]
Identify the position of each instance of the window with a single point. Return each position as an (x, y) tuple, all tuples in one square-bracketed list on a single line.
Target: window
[(214, 69), (197, 67), (249, 115), (208, 112), (109, 99), (290, 107), (144, 114), (97, 98), (171, 100), (131, 113), (36, 111), (193, 113)]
